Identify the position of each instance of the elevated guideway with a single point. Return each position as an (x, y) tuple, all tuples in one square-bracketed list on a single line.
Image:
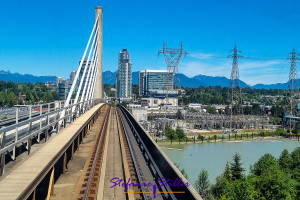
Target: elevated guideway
[(28, 179)]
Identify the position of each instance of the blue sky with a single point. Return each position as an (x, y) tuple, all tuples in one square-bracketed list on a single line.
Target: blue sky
[(48, 37)]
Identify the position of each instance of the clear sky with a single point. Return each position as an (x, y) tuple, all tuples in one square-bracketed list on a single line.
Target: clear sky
[(48, 37)]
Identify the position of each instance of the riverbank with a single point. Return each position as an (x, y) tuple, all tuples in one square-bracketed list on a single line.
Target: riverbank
[(213, 139)]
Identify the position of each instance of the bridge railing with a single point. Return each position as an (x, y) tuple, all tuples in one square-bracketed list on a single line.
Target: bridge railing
[(162, 165), (23, 132), (41, 109)]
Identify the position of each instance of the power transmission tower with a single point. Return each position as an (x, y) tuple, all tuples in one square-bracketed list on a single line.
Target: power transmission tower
[(235, 87), (293, 85), (172, 57)]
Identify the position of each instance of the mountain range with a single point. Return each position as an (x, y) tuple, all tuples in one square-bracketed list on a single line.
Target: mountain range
[(196, 81), (24, 78), (110, 78)]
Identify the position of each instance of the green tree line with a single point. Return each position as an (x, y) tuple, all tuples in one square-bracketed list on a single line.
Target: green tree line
[(34, 93), (269, 178)]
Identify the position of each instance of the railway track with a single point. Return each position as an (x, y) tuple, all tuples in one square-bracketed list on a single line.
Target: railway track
[(87, 187), (119, 153)]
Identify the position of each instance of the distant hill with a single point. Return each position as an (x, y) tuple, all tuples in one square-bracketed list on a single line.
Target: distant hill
[(271, 86), (196, 81), (24, 78), (216, 81), (110, 77)]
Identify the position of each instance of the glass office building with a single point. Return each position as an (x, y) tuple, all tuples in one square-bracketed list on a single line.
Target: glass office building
[(154, 83)]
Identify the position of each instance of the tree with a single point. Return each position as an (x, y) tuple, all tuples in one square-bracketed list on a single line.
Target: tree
[(240, 189), (182, 171), (124, 104), (297, 129), (211, 110), (227, 173), (193, 110), (280, 131), (170, 133), (180, 133), (236, 167), (219, 189), (285, 160), (276, 120), (11, 99), (265, 162), (202, 184), (113, 104), (48, 97), (274, 184), (179, 115), (295, 156)]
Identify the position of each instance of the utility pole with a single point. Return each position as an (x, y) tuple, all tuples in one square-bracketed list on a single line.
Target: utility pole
[(172, 57), (235, 87), (293, 84)]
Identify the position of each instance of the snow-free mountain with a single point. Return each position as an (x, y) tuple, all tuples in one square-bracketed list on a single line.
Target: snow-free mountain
[(110, 78)]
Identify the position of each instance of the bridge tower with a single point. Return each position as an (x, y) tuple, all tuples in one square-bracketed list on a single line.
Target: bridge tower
[(98, 93)]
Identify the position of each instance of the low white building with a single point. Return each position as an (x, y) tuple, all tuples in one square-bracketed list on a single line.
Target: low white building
[(139, 114), (156, 102), (196, 106), (130, 106)]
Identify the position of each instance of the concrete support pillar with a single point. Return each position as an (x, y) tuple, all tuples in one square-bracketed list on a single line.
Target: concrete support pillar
[(98, 92)]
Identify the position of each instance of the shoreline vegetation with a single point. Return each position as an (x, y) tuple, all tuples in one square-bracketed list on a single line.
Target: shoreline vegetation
[(178, 137), (269, 178)]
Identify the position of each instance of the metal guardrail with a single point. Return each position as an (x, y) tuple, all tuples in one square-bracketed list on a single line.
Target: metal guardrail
[(49, 106), (145, 149), (133, 157), (162, 167), (51, 120)]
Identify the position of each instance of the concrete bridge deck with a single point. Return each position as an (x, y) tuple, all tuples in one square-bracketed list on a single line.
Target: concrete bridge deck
[(22, 181)]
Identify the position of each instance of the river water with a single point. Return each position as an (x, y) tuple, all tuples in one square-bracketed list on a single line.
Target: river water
[(213, 156)]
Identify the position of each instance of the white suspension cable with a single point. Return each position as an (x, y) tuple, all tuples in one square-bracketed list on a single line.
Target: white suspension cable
[(91, 80), (88, 81), (84, 72), (88, 97), (67, 102), (93, 88), (80, 65)]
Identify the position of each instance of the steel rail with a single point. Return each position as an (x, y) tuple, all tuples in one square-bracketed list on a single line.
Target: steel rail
[(96, 154), (132, 155)]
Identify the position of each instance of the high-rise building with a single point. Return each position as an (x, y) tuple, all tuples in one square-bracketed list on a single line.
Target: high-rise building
[(70, 82), (124, 75), (154, 83), (72, 76), (59, 80), (62, 88)]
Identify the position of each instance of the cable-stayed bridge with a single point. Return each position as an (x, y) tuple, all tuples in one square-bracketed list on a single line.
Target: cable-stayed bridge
[(80, 147)]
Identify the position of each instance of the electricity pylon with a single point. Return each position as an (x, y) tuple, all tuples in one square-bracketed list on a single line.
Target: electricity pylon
[(293, 84), (172, 57), (235, 87)]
